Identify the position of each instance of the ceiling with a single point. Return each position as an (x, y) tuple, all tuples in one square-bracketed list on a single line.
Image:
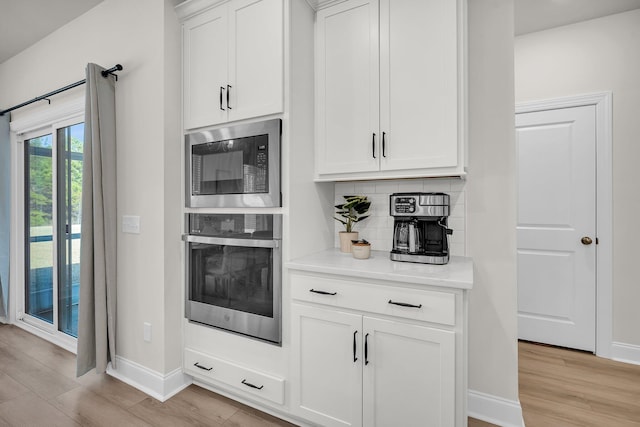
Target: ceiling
[(24, 22), (538, 15)]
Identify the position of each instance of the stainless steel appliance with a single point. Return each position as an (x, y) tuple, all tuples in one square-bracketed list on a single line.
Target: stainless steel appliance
[(236, 166), (420, 231), (234, 273)]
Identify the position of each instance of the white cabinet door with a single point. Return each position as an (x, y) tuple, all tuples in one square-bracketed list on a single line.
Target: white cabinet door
[(256, 58), (419, 84), (347, 88), (327, 369), (205, 68), (409, 375), (389, 80)]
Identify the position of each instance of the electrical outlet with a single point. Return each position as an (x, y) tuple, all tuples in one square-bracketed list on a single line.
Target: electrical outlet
[(147, 332)]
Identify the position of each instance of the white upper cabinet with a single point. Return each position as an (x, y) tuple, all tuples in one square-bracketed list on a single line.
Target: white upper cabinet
[(389, 89), (347, 88), (204, 67), (233, 61)]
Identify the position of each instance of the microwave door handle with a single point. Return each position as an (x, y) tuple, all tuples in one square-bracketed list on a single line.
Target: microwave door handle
[(252, 243)]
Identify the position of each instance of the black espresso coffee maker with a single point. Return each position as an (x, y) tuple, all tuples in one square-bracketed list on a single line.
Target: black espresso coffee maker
[(420, 227)]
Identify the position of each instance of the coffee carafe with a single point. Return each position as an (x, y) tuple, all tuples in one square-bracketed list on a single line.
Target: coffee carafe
[(420, 231)]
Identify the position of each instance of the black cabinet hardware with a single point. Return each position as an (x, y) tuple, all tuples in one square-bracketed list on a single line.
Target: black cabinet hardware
[(197, 365), (373, 145), (228, 92), (355, 359), (383, 144), (221, 90), (322, 292), (404, 304), (366, 349), (251, 385)]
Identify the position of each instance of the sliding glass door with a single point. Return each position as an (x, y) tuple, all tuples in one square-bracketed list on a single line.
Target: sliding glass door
[(53, 189)]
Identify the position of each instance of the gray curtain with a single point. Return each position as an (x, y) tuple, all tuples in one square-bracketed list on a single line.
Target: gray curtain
[(97, 310), (5, 215)]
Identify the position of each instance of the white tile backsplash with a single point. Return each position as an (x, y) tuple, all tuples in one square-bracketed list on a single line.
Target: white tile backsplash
[(378, 228)]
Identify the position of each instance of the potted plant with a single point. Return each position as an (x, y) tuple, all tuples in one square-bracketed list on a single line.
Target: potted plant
[(353, 210)]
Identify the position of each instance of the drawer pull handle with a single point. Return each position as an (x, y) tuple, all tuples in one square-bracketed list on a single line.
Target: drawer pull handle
[(197, 365), (404, 304), (251, 385), (355, 359), (322, 292), (366, 349)]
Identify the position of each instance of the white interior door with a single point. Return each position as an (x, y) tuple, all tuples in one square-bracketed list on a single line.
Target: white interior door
[(556, 232)]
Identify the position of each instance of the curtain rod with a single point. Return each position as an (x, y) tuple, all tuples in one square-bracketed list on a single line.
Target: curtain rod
[(104, 73)]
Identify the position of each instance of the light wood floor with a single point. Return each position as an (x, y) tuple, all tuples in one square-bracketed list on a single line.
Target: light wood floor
[(38, 387), (560, 387)]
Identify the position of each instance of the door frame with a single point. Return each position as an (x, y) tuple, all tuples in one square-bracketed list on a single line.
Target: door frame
[(604, 204)]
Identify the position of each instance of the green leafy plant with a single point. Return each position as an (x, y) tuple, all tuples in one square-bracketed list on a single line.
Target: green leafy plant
[(353, 210)]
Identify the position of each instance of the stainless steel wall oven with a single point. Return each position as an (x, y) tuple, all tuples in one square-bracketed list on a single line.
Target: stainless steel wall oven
[(235, 166), (234, 273)]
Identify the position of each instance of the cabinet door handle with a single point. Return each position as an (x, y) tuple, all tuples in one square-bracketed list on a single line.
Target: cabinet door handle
[(228, 92), (383, 144), (355, 359), (366, 349), (251, 385), (322, 292), (404, 304), (221, 90), (197, 365), (373, 145)]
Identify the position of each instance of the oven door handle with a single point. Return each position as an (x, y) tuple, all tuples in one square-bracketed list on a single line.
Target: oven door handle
[(252, 243)]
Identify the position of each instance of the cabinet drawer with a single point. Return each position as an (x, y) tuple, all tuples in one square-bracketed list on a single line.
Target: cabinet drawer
[(427, 306), (211, 369)]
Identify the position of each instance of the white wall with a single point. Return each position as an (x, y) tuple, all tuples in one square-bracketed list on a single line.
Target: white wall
[(147, 104), (593, 56), (491, 201)]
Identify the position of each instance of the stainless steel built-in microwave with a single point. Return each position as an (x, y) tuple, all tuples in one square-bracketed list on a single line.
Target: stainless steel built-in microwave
[(236, 166)]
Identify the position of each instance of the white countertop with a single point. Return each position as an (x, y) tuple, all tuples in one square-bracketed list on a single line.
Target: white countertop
[(458, 273)]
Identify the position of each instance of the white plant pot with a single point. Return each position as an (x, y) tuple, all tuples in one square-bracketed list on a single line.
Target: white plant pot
[(345, 240), (361, 250)]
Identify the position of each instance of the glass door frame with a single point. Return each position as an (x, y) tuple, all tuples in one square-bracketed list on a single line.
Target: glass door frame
[(49, 331)]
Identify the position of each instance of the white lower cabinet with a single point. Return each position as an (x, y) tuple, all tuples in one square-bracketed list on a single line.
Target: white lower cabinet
[(216, 371), (327, 362), (408, 375), (351, 369)]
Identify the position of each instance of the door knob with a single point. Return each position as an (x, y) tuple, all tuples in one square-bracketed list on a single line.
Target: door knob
[(586, 240)]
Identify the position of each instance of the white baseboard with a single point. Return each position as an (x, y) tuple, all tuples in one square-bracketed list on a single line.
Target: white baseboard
[(628, 353), (494, 409), (153, 383)]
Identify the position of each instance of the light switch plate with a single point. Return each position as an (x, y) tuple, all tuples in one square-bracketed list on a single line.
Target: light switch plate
[(131, 224)]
